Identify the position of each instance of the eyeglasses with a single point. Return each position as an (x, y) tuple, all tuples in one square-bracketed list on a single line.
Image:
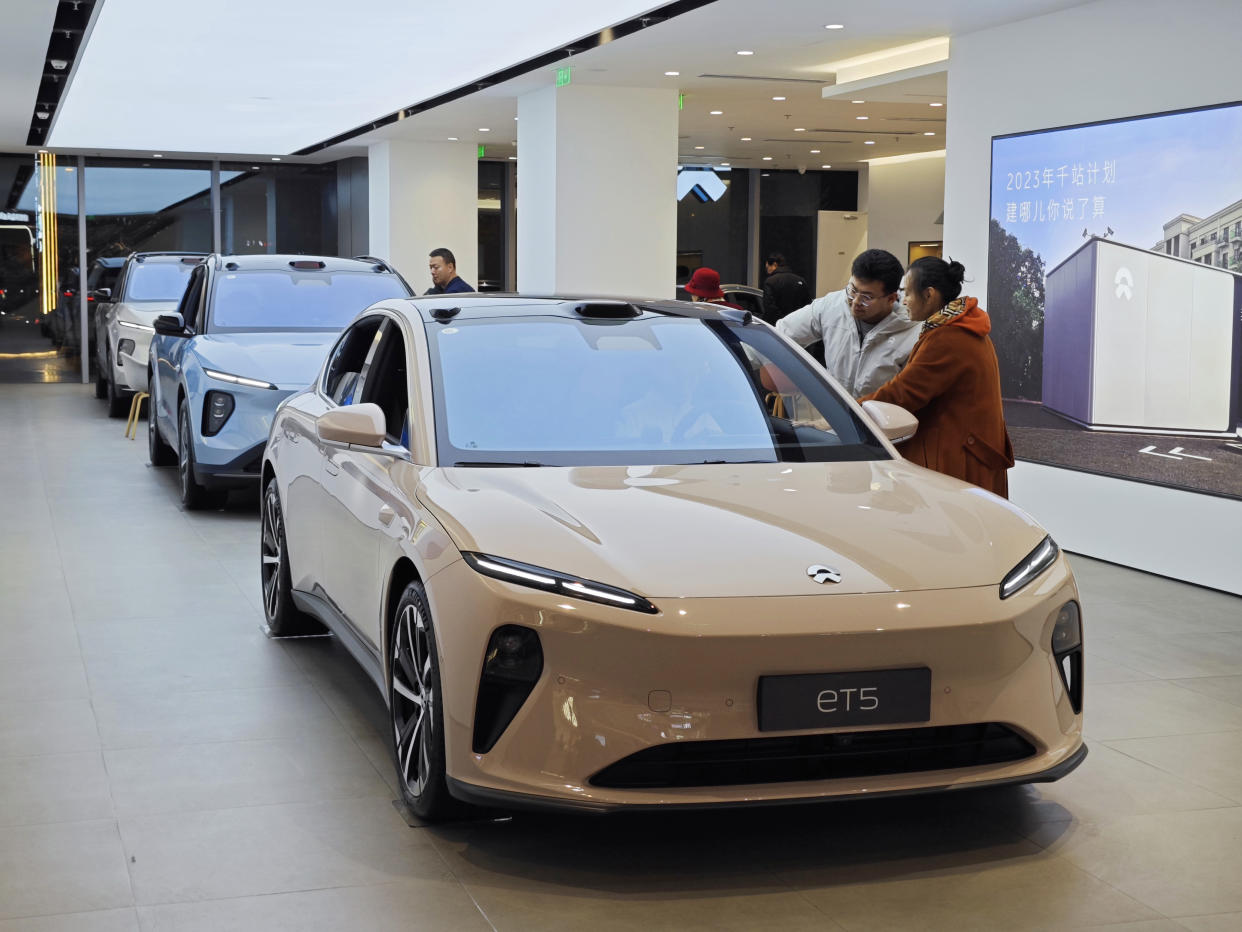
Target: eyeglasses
[(852, 295)]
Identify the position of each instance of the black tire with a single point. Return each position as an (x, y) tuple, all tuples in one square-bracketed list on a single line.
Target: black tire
[(194, 496), (101, 385), (282, 615), (118, 402), (160, 453), (416, 710)]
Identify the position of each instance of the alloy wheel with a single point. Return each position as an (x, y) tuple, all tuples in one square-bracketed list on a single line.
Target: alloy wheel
[(184, 466), (413, 700), (272, 550)]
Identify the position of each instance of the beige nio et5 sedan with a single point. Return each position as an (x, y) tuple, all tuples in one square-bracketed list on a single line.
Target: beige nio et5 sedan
[(601, 554)]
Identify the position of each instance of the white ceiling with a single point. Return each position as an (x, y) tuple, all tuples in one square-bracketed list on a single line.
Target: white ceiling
[(351, 70), (25, 26)]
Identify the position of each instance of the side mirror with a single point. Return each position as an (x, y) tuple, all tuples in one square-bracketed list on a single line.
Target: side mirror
[(894, 421), (103, 294), (169, 325), (361, 425)]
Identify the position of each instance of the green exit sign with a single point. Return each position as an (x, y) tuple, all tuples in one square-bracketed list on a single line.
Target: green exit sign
[(681, 101), (480, 150), (564, 76)]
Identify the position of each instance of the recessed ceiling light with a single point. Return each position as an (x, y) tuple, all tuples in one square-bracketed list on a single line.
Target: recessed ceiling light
[(716, 112), (767, 158), (745, 52), (452, 139), (254, 168), (515, 118), (724, 164), (861, 118), (825, 166), (671, 74), (745, 139), (156, 155), (868, 142), (799, 129), (513, 158), (814, 152), (275, 158), (834, 26), (858, 101), (929, 133), (778, 98), (935, 104), (698, 147), (484, 129)]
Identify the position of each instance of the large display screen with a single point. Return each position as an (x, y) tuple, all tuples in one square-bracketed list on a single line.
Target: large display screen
[(1115, 291)]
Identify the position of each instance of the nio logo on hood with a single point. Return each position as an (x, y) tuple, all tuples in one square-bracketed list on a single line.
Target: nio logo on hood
[(823, 574)]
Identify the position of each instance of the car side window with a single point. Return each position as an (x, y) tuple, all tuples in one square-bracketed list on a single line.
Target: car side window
[(385, 384), (188, 308), (342, 378)]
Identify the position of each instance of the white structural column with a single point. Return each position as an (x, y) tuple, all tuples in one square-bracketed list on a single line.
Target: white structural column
[(422, 196), (597, 191)]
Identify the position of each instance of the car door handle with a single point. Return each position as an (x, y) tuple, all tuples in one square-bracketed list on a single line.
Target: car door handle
[(386, 515), (330, 467)]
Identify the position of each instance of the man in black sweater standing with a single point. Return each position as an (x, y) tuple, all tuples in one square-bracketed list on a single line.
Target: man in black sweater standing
[(783, 290)]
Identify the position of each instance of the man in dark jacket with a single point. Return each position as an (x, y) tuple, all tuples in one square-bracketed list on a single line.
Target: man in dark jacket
[(783, 290), (444, 280)]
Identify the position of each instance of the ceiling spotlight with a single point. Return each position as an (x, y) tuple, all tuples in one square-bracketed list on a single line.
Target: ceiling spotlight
[(156, 155), (858, 101), (868, 142), (275, 158), (929, 133), (671, 74), (745, 139), (42, 114), (825, 166), (935, 104), (745, 52), (515, 119), (452, 139), (698, 147), (716, 112), (834, 26), (254, 168), (484, 129), (778, 98), (513, 158), (58, 63), (860, 118), (767, 158), (799, 129), (724, 164)]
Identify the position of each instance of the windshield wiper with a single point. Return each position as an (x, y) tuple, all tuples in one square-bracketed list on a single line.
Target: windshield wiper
[(494, 463)]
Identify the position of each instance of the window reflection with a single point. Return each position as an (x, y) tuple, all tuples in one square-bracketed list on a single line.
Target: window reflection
[(270, 209)]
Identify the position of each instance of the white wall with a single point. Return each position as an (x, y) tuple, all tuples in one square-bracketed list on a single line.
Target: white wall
[(838, 241), (904, 201), (422, 196), (597, 191), (1112, 58)]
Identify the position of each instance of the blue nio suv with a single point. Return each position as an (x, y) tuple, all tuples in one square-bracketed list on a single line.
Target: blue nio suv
[(249, 332)]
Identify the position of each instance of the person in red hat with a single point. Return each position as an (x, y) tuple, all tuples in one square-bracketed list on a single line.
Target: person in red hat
[(704, 285)]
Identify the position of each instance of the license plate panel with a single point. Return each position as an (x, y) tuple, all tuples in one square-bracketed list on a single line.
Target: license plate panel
[(831, 700)]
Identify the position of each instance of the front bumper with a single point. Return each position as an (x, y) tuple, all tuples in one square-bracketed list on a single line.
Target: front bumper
[(615, 683)]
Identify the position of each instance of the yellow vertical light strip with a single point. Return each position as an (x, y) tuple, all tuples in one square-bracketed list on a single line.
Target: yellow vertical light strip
[(54, 255), (50, 259)]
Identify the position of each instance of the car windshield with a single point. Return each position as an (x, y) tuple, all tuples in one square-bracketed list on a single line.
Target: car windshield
[(554, 391), (157, 281), (274, 299)]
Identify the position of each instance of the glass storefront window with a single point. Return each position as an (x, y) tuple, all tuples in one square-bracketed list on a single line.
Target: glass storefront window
[(146, 206), (712, 223), (288, 209)]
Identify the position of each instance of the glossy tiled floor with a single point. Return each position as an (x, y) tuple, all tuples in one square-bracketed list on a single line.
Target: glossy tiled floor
[(164, 766)]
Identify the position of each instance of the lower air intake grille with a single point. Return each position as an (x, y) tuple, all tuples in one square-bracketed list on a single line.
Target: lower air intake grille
[(815, 757)]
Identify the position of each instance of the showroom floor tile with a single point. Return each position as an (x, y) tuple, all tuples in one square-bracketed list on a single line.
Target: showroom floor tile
[(164, 766)]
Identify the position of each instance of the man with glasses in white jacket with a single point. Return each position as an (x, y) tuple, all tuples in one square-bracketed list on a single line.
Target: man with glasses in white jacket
[(866, 334)]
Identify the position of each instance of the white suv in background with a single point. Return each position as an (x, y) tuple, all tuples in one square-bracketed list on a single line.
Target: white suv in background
[(150, 284)]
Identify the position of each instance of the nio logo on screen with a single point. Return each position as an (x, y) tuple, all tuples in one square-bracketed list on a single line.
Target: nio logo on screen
[(864, 699), (1124, 282), (823, 574)]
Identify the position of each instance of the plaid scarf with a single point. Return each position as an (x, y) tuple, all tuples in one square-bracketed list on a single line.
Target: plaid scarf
[(944, 315)]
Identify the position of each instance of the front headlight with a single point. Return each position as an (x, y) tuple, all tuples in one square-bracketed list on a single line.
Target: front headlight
[(535, 577), (1030, 567)]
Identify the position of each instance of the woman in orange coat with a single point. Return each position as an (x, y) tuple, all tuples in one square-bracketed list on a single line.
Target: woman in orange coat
[(951, 381)]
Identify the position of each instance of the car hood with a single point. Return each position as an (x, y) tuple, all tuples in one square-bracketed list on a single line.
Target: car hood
[(287, 360), (745, 530)]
